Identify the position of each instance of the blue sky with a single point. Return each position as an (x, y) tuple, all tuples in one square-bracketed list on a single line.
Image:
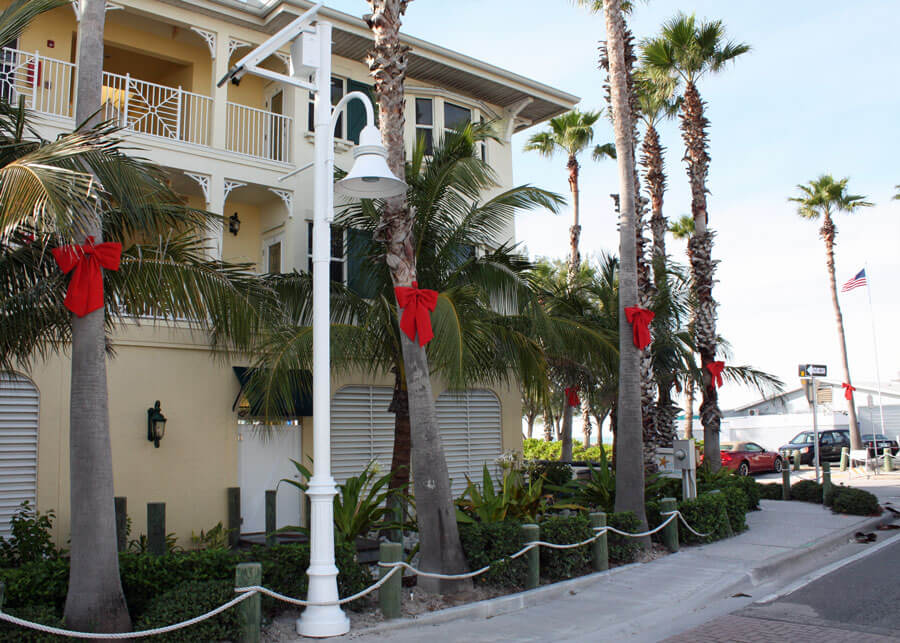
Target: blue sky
[(818, 93)]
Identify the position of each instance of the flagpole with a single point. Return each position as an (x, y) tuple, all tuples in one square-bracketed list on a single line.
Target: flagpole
[(875, 345)]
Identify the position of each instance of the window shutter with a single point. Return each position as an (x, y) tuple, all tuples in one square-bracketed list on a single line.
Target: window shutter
[(19, 413), (356, 113), (471, 432), (361, 429)]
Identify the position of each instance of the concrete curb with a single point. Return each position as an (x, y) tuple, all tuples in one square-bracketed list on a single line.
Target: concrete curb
[(788, 560)]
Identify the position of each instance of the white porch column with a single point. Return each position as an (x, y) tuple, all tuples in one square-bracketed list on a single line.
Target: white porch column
[(216, 204), (220, 94)]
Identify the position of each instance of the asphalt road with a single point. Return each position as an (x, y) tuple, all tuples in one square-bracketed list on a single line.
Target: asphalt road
[(858, 602)]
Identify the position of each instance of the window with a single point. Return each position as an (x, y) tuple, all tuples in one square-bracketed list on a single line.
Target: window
[(356, 112), (338, 255), (456, 116), (337, 93), (828, 438), (425, 123)]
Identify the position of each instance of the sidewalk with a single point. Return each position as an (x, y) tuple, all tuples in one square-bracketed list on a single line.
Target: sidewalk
[(640, 601)]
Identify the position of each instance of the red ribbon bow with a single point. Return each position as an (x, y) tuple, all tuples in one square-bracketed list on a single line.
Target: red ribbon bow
[(85, 292), (572, 396), (640, 319), (416, 304), (848, 391), (715, 370)]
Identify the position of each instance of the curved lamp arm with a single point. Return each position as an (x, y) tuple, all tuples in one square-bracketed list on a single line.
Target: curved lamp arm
[(366, 101)]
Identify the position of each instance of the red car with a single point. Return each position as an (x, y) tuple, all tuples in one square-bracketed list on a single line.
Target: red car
[(749, 457)]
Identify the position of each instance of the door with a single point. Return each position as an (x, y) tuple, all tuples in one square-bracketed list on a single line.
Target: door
[(264, 458), (755, 456), (276, 133), (826, 446), (19, 412)]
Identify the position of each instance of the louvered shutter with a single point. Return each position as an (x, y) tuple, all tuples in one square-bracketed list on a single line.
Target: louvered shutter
[(471, 432), (19, 407), (361, 429)]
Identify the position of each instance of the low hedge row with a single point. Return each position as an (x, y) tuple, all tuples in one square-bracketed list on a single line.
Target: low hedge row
[(490, 544), (844, 500), (159, 587)]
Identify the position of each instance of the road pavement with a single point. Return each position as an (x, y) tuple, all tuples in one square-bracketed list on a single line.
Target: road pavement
[(856, 602)]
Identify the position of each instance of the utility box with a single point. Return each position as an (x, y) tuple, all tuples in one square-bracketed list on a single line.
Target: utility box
[(685, 455), (304, 55)]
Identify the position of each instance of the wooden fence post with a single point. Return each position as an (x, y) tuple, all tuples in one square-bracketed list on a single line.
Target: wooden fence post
[(532, 532), (600, 547), (670, 531), (248, 575), (234, 516), (121, 523), (270, 517), (786, 483), (389, 593), (156, 528)]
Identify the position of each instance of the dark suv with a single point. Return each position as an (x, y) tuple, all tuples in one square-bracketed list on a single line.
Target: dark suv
[(831, 442)]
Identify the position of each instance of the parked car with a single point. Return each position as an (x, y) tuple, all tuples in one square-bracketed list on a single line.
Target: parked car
[(880, 442), (831, 442), (749, 457)]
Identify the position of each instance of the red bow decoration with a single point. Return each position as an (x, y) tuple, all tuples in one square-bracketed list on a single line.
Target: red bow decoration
[(640, 319), (85, 292), (416, 304), (572, 396), (715, 370), (848, 391)]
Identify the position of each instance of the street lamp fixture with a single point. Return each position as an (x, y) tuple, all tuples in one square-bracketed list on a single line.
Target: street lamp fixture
[(234, 224), (156, 424), (369, 178)]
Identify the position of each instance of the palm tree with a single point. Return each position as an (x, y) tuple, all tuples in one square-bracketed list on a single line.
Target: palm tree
[(682, 229), (824, 197), (571, 134), (685, 51)]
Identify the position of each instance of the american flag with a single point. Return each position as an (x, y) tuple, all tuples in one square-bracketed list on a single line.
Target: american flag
[(856, 282)]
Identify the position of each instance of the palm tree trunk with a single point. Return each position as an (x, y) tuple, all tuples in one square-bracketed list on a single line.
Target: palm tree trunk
[(566, 434), (548, 427), (95, 601), (828, 233), (572, 274), (586, 423), (629, 434), (693, 124), (689, 412), (530, 419), (440, 548)]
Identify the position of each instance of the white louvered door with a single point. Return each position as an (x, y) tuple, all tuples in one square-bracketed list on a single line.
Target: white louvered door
[(19, 410), (362, 429), (471, 432)]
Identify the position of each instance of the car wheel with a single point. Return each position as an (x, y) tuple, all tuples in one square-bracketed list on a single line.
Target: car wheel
[(778, 465), (744, 469)]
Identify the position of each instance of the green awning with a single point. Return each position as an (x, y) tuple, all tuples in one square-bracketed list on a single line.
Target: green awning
[(299, 405)]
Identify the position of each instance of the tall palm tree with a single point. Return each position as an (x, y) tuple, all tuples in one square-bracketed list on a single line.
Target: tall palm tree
[(824, 197), (629, 434), (571, 134), (687, 50)]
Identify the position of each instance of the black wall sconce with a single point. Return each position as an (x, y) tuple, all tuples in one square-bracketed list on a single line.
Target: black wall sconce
[(234, 224), (156, 424)]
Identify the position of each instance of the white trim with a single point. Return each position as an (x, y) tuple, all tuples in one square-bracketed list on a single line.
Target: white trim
[(231, 185), (203, 181), (287, 196), (209, 37)]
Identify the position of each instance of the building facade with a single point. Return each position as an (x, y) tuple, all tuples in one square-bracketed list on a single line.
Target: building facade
[(228, 149)]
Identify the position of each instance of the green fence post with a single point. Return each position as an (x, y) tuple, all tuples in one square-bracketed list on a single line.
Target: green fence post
[(845, 458), (156, 528), (531, 533), (600, 548), (796, 460), (670, 531), (121, 523), (249, 575), (389, 593), (826, 480), (270, 517), (786, 483), (234, 516), (888, 464)]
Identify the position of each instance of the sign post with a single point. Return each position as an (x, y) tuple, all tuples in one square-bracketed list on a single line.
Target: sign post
[(809, 373)]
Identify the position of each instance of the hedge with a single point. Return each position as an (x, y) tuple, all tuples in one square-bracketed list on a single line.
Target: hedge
[(190, 599), (489, 544), (858, 502)]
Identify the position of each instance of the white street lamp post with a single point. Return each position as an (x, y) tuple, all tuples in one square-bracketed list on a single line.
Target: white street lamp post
[(370, 178)]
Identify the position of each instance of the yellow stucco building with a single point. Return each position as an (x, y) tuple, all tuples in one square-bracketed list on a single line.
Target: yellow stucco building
[(227, 150)]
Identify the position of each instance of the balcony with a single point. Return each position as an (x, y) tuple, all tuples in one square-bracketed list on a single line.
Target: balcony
[(146, 108)]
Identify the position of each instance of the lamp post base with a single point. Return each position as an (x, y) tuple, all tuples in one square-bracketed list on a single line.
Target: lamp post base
[(323, 621)]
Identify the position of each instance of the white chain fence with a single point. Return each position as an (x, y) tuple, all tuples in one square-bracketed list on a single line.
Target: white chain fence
[(246, 592)]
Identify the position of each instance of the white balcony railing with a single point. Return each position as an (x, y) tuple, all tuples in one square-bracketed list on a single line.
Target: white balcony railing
[(157, 110), (259, 133), (45, 83)]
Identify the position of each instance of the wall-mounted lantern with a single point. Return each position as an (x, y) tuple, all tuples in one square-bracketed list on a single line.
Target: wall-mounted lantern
[(156, 424), (234, 224)]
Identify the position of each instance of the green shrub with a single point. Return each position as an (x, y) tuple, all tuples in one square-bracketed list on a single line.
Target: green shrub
[(537, 449), (770, 491), (737, 505), (752, 491), (807, 491), (659, 487), (30, 537), (623, 549), (485, 543), (859, 502), (44, 614), (190, 599), (705, 515), (560, 564), (44, 582), (554, 473)]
